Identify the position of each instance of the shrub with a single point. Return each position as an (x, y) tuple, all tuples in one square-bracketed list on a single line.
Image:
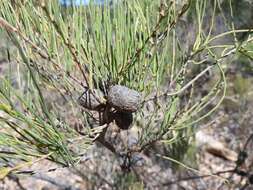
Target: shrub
[(62, 54)]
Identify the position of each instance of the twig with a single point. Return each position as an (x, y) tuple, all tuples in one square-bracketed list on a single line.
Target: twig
[(8, 27), (196, 177), (153, 34), (183, 88), (240, 160), (57, 182), (67, 42)]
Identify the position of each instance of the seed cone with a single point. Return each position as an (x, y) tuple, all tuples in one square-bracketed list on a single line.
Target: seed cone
[(123, 99)]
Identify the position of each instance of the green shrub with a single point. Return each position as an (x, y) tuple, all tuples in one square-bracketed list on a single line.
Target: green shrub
[(61, 52)]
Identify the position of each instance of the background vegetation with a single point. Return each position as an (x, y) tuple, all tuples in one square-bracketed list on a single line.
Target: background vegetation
[(175, 54)]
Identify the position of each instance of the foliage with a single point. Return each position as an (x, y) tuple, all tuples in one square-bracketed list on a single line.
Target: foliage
[(65, 50)]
